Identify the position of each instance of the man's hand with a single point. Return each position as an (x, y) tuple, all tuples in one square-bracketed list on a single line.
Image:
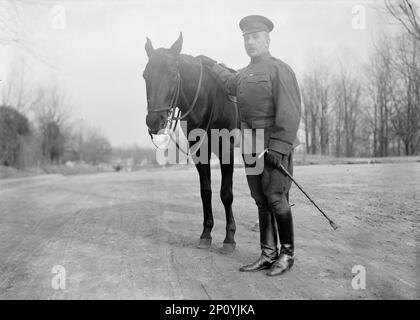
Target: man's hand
[(206, 60), (274, 158)]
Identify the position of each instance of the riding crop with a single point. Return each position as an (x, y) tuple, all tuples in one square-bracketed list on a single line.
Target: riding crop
[(280, 166)]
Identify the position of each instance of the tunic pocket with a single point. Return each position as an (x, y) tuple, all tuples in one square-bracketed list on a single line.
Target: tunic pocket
[(258, 78), (262, 123)]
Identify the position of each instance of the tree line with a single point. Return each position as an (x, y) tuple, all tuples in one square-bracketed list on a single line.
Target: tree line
[(372, 108), (37, 128), (36, 124)]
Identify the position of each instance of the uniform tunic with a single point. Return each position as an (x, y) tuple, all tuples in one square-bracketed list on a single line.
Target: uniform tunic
[(268, 98)]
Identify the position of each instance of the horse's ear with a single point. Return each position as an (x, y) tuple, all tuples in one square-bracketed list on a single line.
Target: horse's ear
[(149, 48), (177, 46)]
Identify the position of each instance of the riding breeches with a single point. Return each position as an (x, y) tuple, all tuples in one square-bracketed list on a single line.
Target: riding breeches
[(270, 190)]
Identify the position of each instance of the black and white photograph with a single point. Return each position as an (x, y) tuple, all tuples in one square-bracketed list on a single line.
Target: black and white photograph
[(200, 150)]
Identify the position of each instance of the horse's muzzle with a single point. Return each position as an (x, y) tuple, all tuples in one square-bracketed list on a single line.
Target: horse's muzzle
[(156, 121)]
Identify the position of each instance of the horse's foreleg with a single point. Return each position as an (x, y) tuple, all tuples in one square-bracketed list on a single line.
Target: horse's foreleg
[(226, 195), (205, 189)]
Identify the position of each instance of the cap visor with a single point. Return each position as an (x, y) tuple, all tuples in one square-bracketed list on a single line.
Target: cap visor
[(253, 31)]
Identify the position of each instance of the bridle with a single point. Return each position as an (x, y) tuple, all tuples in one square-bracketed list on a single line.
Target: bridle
[(173, 110)]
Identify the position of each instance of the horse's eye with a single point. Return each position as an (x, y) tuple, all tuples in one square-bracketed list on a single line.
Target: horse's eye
[(173, 69)]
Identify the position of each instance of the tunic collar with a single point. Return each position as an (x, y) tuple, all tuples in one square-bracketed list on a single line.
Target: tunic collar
[(261, 57)]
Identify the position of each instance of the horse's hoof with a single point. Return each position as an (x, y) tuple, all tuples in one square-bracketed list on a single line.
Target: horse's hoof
[(204, 244), (228, 248)]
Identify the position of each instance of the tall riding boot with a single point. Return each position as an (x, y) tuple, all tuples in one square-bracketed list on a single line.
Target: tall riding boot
[(268, 241), (286, 258)]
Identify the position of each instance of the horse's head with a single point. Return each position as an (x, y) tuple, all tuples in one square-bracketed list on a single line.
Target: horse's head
[(161, 75)]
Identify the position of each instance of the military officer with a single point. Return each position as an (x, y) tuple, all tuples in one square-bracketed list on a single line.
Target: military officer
[(268, 98)]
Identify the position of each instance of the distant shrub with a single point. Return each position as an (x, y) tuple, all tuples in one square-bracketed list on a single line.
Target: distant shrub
[(13, 126)]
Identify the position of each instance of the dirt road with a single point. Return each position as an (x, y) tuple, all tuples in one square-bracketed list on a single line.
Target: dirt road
[(133, 235)]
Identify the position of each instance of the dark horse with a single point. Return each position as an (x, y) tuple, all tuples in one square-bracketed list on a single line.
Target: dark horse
[(206, 106)]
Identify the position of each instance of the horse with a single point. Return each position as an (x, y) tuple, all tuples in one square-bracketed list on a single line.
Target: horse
[(175, 78)]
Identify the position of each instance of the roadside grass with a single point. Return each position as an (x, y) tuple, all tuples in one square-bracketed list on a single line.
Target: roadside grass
[(80, 168), (299, 159), (10, 172)]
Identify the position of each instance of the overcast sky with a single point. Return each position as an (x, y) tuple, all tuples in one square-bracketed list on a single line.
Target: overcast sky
[(99, 56)]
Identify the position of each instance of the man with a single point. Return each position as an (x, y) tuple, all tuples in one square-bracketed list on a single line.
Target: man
[(268, 98)]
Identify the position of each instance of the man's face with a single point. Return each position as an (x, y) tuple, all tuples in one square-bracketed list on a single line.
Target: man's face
[(256, 43)]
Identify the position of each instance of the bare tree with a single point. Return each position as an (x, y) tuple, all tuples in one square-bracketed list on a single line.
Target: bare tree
[(52, 113), (15, 32), (16, 90), (406, 12), (381, 84), (13, 29), (52, 104), (96, 147), (89, 144), (347, 99), (12, 25), (396, 74), (311, 113), (406, 117), (315, 94)]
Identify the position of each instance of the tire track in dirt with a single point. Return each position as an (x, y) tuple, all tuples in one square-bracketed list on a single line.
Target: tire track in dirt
[(18, 267)]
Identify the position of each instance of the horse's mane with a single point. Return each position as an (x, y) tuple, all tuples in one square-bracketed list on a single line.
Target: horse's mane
[(190, 60)]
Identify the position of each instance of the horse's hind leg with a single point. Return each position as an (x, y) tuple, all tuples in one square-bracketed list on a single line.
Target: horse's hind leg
[(205, 189), (226, 195)]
